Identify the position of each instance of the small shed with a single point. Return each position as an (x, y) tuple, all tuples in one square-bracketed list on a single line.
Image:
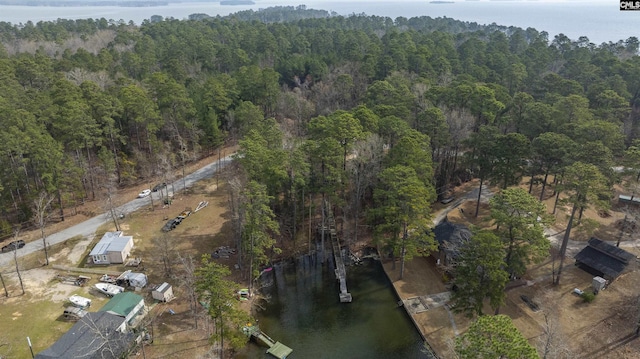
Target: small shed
[(163, 293), (598, 284)]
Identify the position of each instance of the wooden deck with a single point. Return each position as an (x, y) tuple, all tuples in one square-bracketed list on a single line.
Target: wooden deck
[(275, 348)]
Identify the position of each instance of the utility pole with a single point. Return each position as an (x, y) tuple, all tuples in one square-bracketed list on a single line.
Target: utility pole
[(6, 294), (624, 228), (218, 168), (30, 348)]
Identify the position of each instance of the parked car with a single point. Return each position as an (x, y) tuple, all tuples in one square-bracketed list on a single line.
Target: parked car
[(158, 187), (171, 224), (144, 193), (13, 245), (447, 199), (186, 213)]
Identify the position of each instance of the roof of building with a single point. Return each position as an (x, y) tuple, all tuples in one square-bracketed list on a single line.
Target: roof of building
[(611, 250), (95, 336), (111, 242), (604, 258), (163, 287), (451, 236), (122, 303)]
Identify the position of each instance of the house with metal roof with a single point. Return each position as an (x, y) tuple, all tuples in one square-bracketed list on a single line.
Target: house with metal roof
[(113, 248), (97, 335), (163, 293), (127, 305), (603, 259)]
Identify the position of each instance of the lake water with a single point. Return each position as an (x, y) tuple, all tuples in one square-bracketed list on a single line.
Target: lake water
[(305, 314), (601, 21)]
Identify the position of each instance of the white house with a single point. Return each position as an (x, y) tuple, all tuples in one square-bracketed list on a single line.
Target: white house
[(113, 248)]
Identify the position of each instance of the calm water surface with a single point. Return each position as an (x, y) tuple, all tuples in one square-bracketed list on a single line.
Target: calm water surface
[(305, 314), (599, 20)]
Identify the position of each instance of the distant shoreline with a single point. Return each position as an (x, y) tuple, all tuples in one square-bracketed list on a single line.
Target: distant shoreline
[(80, 3)]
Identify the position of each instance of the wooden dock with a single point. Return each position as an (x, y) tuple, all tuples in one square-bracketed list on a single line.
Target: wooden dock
[(341, 272), (275, 348)]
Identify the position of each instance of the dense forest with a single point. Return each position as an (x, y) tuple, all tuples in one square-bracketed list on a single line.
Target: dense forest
[(380, 116)]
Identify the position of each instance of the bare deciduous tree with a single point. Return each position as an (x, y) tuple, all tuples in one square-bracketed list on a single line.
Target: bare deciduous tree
[(105, 342), (163, 249), (552, 344), (15, 260), (237, 215), (364, 169), (295, 110), (188, 279), (110, 207), (166, 162), (41, 211)]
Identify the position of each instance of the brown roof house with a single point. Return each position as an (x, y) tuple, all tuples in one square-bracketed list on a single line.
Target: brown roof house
[(603, 259)]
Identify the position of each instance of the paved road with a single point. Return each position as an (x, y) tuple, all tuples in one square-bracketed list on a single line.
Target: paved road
[(88, 227)]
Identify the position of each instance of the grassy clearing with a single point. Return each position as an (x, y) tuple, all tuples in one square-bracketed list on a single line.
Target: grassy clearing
[(28, 314)]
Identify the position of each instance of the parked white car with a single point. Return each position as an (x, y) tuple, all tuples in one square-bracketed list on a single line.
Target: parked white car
[(144, 193)]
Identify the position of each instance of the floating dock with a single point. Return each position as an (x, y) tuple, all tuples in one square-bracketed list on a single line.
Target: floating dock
[(341, 272), (276, 349)]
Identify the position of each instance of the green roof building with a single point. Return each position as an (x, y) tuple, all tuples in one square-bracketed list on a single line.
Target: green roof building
[(126, 304)]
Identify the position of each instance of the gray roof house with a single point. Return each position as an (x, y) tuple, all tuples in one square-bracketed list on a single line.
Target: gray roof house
[(603, 259), (113, 248), (96, 336), (450, 238)]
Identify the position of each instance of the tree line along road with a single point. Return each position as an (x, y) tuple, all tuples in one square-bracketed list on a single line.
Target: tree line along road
[(88, 227)]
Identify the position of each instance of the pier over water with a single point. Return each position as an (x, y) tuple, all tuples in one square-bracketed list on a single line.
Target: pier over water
[(276, 349), (341, 272)]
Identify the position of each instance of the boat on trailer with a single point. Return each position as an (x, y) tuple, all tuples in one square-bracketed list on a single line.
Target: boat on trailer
[(109, 289), (80, 302)]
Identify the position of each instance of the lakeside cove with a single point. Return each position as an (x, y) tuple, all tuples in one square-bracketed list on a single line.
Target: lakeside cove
[(420, 294), (303, 310)]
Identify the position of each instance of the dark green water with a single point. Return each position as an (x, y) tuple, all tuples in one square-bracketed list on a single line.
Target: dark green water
[(305, 314)]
